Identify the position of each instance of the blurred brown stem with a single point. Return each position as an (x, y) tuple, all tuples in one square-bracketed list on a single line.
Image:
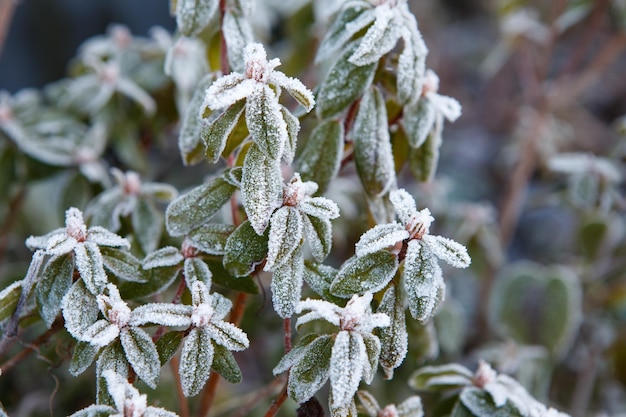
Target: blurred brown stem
[(32, 346), (278, 402), (11, 217), (259, 396), (182, 401), (7, 9)]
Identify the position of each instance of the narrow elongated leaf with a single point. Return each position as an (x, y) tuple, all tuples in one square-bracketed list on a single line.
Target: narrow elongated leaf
[(312, 371), (211, 238), (319, 234), (167, 345), (84, 355), (422, 278), (88, 261), (237, 34), (80, 309), (147, 223), (163, 257), (9, 298), (197, 270), (423, 160), (480, 404), (379, 39), (373, 350), (215, 133), (244, 250), (343, 85), (372, 146), (265, 122), (348, 357), (55, 281), (319, 277), (293, 127), (195, 208), (195, 361), (320, 158), (189, 140), (418, 120), (369, 273), (224, 363), (112, 357), (227, 335), (442, 377), (95, 410), (224, 279), (448, 250), (394, 338), (285, 236), (380, 237), (164, 314), (123, 265), (261, 188), (411, 63), (287, 284), (141, 354), (295, 354), (192, 16)]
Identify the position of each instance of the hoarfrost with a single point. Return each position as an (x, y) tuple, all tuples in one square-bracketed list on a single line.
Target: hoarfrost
[(422, 277), (285, 235), (287, 284), (164, 314), (448, 250), (380, 38), (166, 256), (196, 359), (347, 359), (380, 237), (102, 237), (320, 207), (90, 266), (403, 203), (227, 90), (124, 395), (227, 335), (100, 334)]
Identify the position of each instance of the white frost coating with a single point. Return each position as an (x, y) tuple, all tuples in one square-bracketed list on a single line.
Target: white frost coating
[(320, 207), (403, 203), (421, 276), (60, 245), (127, 399), (303, 95), (346, 367), (201, 315), (163, 257), (380, 237), (380, 38), (449, 107), (227, 335), (88, 261), (75, 225), (287, 284), (411, 407), (585, 163), (448, 250), (164, 314), (102, 237), (101, 333), (226, 91), (113, 307), (285, 234), (320, 309)]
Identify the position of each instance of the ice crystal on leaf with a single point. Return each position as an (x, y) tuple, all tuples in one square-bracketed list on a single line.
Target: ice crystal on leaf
[(411, 407)]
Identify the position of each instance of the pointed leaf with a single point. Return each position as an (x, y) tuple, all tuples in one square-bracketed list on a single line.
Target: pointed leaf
[(192, 16), (347, 360), (320, 158), (319, 277), (373, 350), (112, 357), (237, 34), (295, 88), (227, 335), (224, 363), (84, 355), (394, 338), (211, 238), (295, 354), (369, 273), (418, 120), (320, 207), (189, 140), (293, 127), (265, 122), (123, 265), (285, 236), (147, 223), (312, 371), (88, 260), (244, 250), (380, 38), (167, 345), (411, 63), (195, 208), (423, 160), (197, 270), (319, 234), (422, 278), (287, 284), (80, 309), (9, 298), (141, 354), (163, 314), (195, 361), (380, 237), (215, 133), (343, 85), (55, 281), (448, 250), (224, 279), (163, 257), (442, 377)]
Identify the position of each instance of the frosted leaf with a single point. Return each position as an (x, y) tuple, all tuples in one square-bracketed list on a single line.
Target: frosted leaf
[(319, 236), (320, 159), (202, 315), (497, 392), (421, 277), (303, 95), (195, 269), (166, 256), (141, 354), (113, 307), (369, 403), (131, 90), (89, 263), (449, 107), (123, 265), (227, 335), (294, 355), (164, 314), (411, 407), (446, 376), (320, 207), (227, 90), (196, 359), (380, 237), (189, 141), (9, 298), (261, 188), (412, 60), (55, 280), (311, 372), (83, 356), (192, 16), (244, 250), (102, 237), (346, 369), (158, 412), (200, 293), (221, 305), (215, 133), (287, 284), (265, 121), (285, 236), (373, 350), (380, 38), (127, 399), (147, 222), (41, 242), (211, 238), (448, 250), (112, 358), (94, 410), (371, 272), (237, 34), (100, 334), (80, 309), (60, 244), (394, 338), (353, 17), (418, 120), (404, 204), (320, 309), (293, 127)]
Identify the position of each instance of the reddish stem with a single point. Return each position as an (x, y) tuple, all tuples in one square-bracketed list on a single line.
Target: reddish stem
[(277, 403), (287, 331), (34, 345), (182, 401)]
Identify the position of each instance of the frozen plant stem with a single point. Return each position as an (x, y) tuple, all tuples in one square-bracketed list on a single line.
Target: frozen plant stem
[(287, 331), (278, 402), (44, 338)]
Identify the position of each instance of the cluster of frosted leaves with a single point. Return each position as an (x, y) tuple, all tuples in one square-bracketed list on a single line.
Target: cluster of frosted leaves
[(422, 123), (484, 393), (126, 401), (361, 34), (377, 260), (300, 216), (345, 357), (73, 247), (131, 197), (411, 407), (51, 136)]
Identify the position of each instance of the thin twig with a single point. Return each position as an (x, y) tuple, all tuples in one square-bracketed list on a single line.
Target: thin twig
[(277, 403), (287, 332), (7, 9), (10, 218), (257, 397), (182, 401)]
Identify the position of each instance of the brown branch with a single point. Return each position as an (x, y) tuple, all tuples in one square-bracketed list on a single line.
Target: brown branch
[(287, 332), (278, 402), (7, 9), (14, 207), (257, 397), (182, 401)]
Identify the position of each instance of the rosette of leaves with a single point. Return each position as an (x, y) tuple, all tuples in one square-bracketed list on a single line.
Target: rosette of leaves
[(126, 401), (272, 127), (362, 32), (484, 393), (300, 216), (380, 250), (134, 198), (344, 357), (73, 247), (411, 407)]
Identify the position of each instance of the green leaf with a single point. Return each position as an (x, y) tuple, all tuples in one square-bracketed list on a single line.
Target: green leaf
[(9, 297), (55, 281), (189, 140), (244, 250), (393, 339), (163, 257), (192, 16), (371, 272), (211, 238), (265, 122), (195, 208), (158, 280), (372, 145), (215, 133), (237, 25), (319, 233), (224, 363), (195, 361), (80, 309), (423, 160), (343, 85), (287, 284), (319, 277), (168, 344), (418, 120), (535, 305), (88, 261), (197, 270), (141, 354), (222, 278), (147, 223), (321, 155), (123, 264), (293, 127), (373, 350), (285, 236), (293, 356), (312, 371), (422, 280), (112, 357), (480, 404), (84, 355), (261, 188), (442, 377)]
